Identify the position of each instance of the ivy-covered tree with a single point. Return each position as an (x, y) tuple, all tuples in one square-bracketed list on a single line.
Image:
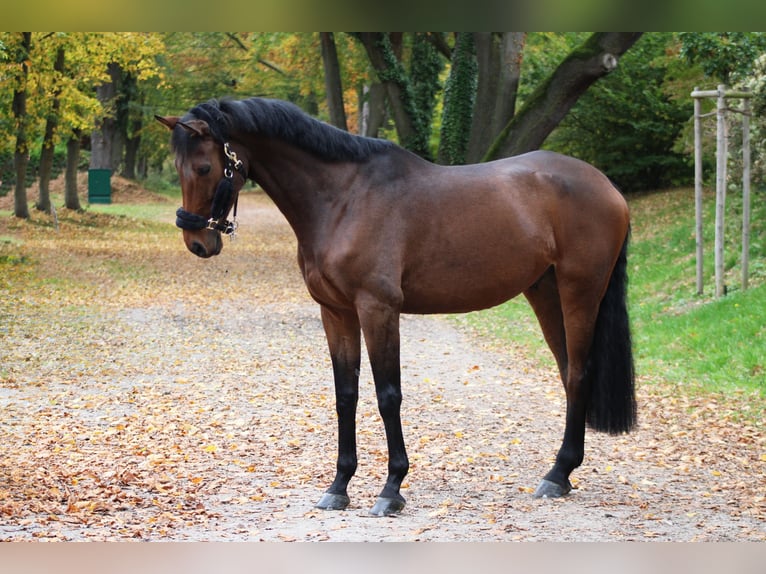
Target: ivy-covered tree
[(410, 121), (459, 98), (525, 129)]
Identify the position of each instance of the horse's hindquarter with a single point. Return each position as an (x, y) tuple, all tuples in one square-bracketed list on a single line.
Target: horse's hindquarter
[(480, 235)]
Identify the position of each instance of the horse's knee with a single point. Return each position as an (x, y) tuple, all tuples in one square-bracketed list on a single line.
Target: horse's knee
[(389, 401), (346, 401)]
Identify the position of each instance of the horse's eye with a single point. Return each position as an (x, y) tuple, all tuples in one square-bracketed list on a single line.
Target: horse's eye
[(203, 170)]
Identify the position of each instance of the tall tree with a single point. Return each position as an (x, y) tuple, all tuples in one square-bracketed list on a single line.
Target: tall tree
[(21, 152), (71, 197), (426, 65), (459, 98), (51, 124), (410, 123), (334, 87), (106, 139), (498, 58), (132, 122), (524, 130)]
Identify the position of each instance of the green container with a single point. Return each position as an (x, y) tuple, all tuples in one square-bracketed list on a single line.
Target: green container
[(99, 186)]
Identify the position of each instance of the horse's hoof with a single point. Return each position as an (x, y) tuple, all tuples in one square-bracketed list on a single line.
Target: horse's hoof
[(387, 506), (331, 501), (549, 489)]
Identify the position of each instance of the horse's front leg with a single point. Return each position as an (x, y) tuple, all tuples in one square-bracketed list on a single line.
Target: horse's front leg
[(344, 339), (380, 324)]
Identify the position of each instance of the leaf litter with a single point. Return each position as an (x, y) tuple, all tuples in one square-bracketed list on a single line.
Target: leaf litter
[(150, 395)]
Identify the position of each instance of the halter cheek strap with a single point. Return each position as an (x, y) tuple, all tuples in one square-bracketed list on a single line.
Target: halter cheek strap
[(221, 201)]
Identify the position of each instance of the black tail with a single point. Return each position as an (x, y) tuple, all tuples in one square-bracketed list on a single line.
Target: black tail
[(612, 404)]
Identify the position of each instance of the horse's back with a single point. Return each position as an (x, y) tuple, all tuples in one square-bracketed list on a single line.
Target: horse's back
[(481, 234)]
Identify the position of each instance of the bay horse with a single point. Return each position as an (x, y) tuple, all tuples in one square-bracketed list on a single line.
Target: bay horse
[(382, 232)]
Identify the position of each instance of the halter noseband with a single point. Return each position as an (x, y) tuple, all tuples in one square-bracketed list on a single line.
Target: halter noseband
[(221, 201)]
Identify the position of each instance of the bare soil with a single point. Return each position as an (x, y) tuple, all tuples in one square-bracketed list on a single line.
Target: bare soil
[(197, 404)]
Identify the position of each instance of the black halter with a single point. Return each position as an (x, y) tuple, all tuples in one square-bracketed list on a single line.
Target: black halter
[(221, 201)]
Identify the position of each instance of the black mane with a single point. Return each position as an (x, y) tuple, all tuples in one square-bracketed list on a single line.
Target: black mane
[(281, 120)]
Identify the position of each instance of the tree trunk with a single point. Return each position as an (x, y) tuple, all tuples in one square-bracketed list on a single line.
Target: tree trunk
[(332, 80), (372, 109), (129, 125), (51, 124), (459, 97), (71, 197), (106, 140), (131, 151), (551, 101), (425, 68), (499, 58), (19, 106), (391, 73)]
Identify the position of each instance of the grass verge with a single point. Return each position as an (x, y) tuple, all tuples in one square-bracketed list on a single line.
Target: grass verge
[(680, 338)]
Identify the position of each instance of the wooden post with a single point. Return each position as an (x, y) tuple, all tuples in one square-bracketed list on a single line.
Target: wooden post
[(698, 189), (721, 179), (745, 190), (720, 190)]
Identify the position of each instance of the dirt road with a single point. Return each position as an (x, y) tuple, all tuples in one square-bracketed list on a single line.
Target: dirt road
[(211, 418)]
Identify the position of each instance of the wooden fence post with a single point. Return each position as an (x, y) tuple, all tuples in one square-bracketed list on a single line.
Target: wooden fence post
[(698, 189), (745, 191), (720, 189), (720, 183)]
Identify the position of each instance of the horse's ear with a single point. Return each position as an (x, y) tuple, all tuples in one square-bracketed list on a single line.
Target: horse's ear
[(195, 127), (168, 121)]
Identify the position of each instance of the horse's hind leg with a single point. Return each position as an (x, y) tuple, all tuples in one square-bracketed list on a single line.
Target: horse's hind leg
[(543, 296), (545, 300), (579, 305), (344, 339)]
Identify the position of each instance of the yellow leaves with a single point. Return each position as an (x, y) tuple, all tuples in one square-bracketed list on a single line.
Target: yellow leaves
[(222, 429)]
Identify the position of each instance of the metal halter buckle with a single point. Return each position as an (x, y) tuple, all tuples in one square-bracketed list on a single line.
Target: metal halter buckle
[(234, 161)]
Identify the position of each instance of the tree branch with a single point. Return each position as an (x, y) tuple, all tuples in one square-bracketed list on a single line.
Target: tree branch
[(551, 101)]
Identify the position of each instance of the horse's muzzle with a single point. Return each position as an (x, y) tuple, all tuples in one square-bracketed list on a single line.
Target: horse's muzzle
[(205, 244)]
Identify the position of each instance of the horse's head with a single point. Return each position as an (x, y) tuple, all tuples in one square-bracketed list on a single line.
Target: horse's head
[(206, 168)]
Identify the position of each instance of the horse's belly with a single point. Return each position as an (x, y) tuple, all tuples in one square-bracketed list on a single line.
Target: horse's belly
[(469, 290)]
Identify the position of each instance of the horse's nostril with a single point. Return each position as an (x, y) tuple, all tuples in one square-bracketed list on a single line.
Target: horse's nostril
[(198, 249)]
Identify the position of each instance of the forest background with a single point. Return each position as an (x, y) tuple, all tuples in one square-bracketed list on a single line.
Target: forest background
[(71, 102), (450, 97)]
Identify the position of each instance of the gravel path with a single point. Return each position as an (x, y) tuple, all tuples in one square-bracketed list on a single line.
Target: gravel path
[(215, 422)]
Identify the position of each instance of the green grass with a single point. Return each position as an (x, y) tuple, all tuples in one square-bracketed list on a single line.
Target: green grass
[(690, 339), (143, 211), (680, 338)]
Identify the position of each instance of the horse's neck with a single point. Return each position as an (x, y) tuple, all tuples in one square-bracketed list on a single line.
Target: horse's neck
[(302, 186)]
